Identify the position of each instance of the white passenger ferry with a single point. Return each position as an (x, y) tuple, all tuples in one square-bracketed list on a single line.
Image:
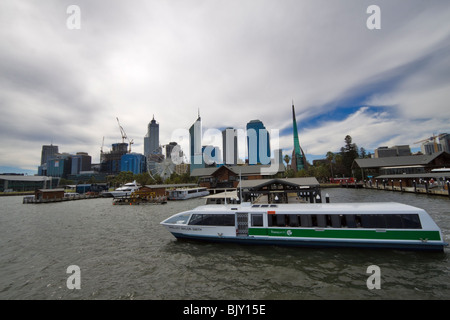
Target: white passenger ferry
[(187, 193), (371, 225)]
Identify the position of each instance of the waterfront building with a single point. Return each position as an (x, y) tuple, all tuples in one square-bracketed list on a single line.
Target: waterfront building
[(279, 190), (403, 165), (60, 165), (258, 143), (20, 182), (80, 162), (298, 161), (134, 162), (195, 145), (229, 176), (230, 146)]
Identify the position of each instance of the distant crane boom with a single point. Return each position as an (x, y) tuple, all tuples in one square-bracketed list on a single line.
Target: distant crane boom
[(124, 135), (432, 138), (122, 132)]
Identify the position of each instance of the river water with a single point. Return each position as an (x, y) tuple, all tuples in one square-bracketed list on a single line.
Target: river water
[(124, 253)]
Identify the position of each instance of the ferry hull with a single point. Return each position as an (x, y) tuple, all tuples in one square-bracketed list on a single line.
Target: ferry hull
[(317, 243)]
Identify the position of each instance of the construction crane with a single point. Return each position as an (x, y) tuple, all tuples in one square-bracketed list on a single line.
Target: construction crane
[(124, 136), (432, 138)]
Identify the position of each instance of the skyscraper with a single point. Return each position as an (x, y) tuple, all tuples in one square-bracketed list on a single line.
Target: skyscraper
[(230, 149), (151, 139), (48, 152), (298, 157), (195, 144), (258, 143)]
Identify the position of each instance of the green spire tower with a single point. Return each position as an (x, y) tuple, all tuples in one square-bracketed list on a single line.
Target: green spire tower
[(298, 157)]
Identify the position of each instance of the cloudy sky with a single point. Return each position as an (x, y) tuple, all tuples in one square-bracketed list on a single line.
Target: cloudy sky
[(235, 60)]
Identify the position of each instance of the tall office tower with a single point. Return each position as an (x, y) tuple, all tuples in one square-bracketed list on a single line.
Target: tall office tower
[(48, 152), (81, 162), (258, 143), (151, 139), (298, 157), (195, 144), (444, 140), (230, 148)]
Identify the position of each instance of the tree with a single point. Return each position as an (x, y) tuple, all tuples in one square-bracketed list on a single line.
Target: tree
[(362, 153), (330, 157), (287, 159), (124, 177), (349, 153)]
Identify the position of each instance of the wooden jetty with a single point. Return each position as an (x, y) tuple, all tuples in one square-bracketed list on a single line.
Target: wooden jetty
[(56, 195), (140, 197)]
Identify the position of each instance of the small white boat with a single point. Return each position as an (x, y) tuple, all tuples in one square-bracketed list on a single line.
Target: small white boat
[(358, 225), (187, 193), (126, 190)]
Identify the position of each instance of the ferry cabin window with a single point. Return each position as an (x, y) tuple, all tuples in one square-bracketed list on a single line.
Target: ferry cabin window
[(376, 221), (394, 221), (212, 219), (411, 221), (179, 219), (257, 220)]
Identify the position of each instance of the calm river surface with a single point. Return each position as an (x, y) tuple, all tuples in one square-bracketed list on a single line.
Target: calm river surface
[(123, 253)]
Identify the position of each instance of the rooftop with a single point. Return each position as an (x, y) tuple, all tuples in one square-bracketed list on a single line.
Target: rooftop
[(398, 161)]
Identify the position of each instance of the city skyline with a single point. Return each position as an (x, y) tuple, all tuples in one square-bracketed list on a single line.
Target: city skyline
[(236, 61)]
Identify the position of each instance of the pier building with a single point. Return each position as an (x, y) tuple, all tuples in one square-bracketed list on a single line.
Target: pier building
[(15, 182), (228, 176), (281, 190), (405, 172)]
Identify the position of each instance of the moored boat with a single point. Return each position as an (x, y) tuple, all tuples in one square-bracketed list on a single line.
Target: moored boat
[(124, 191), (187, 193), (362, 225)]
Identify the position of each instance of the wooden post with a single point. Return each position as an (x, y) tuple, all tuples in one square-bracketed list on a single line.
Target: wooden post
[(448, 188)]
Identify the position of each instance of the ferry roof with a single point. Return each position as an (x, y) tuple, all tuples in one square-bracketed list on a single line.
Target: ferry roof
[(360, 207)]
